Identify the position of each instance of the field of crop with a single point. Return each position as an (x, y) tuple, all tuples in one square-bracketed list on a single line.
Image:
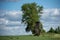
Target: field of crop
[(30, 37)]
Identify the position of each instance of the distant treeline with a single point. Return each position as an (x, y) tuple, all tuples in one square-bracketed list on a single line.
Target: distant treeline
[(57, 30)]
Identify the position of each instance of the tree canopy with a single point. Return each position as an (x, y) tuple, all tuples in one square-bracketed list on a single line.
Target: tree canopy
[(31, 17)]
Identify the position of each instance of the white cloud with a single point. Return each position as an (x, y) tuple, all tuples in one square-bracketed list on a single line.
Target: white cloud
[(9, 23), (56, 12), (2, 21), (18, 30), (9, 28), (9, 16), (14, 13), (51, 13), (14, 23)]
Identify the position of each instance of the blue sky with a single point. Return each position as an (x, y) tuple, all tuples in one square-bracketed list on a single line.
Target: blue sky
[(11, 15), (17, 5)]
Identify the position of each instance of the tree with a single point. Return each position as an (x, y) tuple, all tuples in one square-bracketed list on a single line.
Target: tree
[(31, 17), (51, 30), (57, 30)]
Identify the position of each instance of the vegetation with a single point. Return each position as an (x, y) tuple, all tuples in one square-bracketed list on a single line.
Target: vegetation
[(31, 17), (57, 30), (30, 37), (51, 30)]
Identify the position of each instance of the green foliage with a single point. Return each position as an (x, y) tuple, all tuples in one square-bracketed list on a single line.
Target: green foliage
[(31, 15), (51, 30), (57, 30)]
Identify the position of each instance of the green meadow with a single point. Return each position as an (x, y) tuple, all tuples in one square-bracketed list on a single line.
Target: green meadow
[(31, 37)]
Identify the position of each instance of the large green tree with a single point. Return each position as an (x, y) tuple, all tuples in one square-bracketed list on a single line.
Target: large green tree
[(31, 16)]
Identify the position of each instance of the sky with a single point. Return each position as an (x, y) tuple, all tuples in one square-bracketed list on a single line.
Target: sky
[(11, 15)]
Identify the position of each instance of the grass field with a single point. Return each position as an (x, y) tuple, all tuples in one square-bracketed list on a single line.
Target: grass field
[(30, 37)]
